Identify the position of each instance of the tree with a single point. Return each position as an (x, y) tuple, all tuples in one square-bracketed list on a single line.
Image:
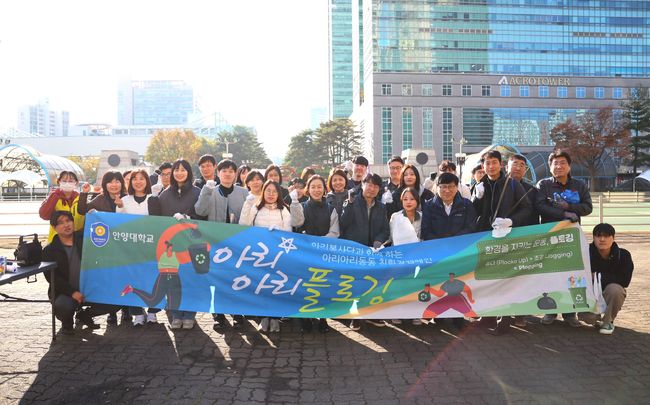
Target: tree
[(636, 111), (302, 150), (591, 136), (337, 142), (242, 142), (89, 165), (170, 144)]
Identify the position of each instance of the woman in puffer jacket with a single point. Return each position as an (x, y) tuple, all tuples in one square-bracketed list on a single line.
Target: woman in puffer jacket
[(410, 177), (269, 212)]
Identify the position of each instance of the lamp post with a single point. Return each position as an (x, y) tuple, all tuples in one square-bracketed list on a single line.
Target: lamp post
[(460, 157)]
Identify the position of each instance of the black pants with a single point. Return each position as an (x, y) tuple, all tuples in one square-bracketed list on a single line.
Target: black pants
[(166, 285), (65, 307)]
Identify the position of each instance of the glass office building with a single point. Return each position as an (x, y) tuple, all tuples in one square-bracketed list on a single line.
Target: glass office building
[(493, 71), (340, 58), (155, 102)]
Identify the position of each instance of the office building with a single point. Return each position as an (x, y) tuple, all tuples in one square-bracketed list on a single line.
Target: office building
[(40, 120), (155, 102)]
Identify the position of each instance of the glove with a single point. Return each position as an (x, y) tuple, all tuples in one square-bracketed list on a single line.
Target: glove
[(178, 216), (156, 189), (571, 216), (479, 191), (211, 184), (294, 196), (502, 223), (387, 197), (250, 197), (273, 227)]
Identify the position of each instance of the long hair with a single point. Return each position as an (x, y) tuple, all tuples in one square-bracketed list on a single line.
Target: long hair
[(186, 165), (336, 172), (273, 167), (240, 170), (280, 201), (402, 185), (110, 176), (251, 176), (413, 192), (143, 173)]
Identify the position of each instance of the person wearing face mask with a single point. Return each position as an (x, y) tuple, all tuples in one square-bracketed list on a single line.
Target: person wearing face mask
[(63, 198)]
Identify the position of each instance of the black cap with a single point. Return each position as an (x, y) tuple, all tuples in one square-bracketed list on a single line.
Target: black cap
[(360, 160)]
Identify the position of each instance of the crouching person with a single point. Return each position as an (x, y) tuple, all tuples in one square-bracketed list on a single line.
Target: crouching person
[(615, 267), (65, 250)]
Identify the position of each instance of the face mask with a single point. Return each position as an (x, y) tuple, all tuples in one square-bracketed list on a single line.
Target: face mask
[(67, 186)]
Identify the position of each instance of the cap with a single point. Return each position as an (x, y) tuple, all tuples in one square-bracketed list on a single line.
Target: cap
[(360, 160)]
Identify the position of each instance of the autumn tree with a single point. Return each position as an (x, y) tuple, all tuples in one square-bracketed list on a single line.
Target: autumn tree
[(88, 164), (636, 111), (591, 136), (167, 145)]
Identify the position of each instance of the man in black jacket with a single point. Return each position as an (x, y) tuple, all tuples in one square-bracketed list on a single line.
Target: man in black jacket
[(615, 267), (65, 250)]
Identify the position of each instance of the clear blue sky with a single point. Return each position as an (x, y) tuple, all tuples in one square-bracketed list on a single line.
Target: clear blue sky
[(260, 63)]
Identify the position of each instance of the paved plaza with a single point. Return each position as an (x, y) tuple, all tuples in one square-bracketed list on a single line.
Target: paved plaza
[(396, 364)]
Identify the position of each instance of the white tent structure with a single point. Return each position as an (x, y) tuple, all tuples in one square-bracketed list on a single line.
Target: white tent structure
[(643, 176), (25, 176)]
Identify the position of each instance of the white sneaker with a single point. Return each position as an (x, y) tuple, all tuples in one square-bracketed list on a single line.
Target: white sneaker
[(607, 329), (152, 318), (417, 322), (396, 321), (138, 320), (275, 325), (176, 324), (188, 323), (548, 319), (376, 322), (264, 325)]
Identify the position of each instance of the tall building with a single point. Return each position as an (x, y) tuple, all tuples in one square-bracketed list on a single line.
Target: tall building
[(491, 71), (154, 102), (340, 58), (39, 119)]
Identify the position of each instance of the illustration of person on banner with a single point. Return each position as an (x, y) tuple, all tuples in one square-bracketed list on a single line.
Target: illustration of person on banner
[(168, 283), (451, 297)]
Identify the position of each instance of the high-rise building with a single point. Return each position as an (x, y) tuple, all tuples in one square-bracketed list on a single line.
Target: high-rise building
[(340, 58), (154, 102), (39, 119), (491, 71)]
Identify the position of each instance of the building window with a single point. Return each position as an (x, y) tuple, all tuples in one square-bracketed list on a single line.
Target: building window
[(486, 91), (407, 128), (542, 91), (581, 92), (466, 90), (447, 129), (599, 92), (562, 92), (524, 91), (427, 89), (617, 92), (427, 127), (446, 89), (386, 89), (505, 90), (407, 90), (386, 134)]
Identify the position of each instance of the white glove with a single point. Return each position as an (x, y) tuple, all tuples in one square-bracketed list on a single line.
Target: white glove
[(156, 189), (502, 223), (211, 184), (479, 191), (273, 227), (387, 197), (250, 197), (178, 216), (294, 195)]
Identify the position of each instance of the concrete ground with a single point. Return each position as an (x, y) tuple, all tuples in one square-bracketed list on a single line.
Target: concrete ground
[(395, 364)]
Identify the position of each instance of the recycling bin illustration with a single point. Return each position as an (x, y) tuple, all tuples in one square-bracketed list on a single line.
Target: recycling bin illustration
[(579, 297), (200, 257)]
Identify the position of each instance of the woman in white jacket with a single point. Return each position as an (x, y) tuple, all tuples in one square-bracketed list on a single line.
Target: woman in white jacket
[(268, 211), (405, 226)]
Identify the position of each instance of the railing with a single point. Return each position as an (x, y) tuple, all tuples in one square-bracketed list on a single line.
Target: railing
[(626, 211)]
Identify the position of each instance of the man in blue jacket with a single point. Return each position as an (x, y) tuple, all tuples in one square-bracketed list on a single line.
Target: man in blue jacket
[(447, 214)]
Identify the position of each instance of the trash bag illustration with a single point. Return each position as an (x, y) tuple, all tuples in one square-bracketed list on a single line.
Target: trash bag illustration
[(546, 302), (200, 257), (424, 296)]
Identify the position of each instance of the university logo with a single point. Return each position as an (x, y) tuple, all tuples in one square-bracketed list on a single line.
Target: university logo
[(99, 233)]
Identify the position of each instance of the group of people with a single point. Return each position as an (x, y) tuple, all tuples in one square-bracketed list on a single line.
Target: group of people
[(351, 204)]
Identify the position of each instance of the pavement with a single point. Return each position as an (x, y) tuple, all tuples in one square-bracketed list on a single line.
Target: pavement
[(396, 364)]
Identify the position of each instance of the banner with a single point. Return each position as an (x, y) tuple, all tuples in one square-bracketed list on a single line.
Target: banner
[(205, 266)]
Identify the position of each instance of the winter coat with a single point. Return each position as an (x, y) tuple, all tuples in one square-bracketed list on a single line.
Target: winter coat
[(337, 200), (396, 205), (437, 224), (544, 199), (174, 200), (265, 217), (315, 218), (616, 269), (362, 225), (514, 204), (213, 204), (55, 252), (402, 230), (56, 201), (131, 206)]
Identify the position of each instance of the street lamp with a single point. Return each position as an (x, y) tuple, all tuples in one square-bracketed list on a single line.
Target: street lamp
[(460, 157)]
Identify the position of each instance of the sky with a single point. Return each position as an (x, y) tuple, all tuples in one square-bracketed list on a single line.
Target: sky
[(259, 63)]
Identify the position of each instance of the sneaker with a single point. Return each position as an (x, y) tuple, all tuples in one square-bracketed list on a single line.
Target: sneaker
[(323, 327), (355, 325), (396, 321), (264, 325), (417, 322), (111, 319), (606, 329), (138, 320), (188, 323), (275, 325), (87, 320), (128, 289), (126, 317), (573, 321), (376, 322), (548, 319), (152, 317), (176, 324), (237, 321), (520, 322)]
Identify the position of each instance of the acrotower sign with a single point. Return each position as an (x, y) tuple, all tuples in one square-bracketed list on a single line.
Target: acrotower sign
[(534, 81)]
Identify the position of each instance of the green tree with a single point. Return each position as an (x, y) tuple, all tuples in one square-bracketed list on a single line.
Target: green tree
[(636, 111), (591, 136), (337, 142), (171, 144), (302, 150), (243, 144)]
